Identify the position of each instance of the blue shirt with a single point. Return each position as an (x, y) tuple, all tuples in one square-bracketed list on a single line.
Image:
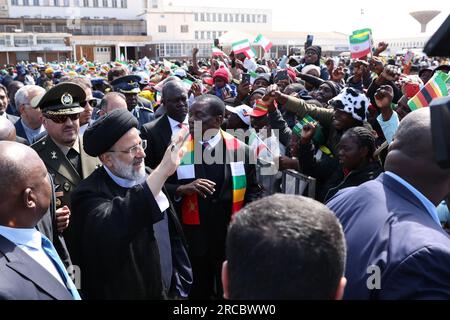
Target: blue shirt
[(431, 208), (389, 127), (30, 241)]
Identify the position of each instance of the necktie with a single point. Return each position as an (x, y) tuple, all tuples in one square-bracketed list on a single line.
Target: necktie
[(74, 158), (53, 255)]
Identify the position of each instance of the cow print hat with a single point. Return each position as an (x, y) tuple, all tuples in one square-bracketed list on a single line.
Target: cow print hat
[(351, 101)]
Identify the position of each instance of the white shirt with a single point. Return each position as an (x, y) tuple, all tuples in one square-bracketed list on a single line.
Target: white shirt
[(30, 241), (174, 125), (213, 141)]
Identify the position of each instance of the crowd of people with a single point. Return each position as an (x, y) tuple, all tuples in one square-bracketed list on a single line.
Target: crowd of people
[(148, 180)]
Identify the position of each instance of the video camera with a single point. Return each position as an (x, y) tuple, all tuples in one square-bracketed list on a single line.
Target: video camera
[(439, 45)]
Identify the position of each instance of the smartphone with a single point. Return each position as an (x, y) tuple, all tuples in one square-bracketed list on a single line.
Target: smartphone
[(309, 40), (246, 78)]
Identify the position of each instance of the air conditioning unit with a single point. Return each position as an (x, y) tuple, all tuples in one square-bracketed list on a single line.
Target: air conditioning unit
[(3, 7)]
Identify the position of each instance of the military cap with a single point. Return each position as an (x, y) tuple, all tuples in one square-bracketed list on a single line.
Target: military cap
[(127, 84), (61, 99), (107, 130)]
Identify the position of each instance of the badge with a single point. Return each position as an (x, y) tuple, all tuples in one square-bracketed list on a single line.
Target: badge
[(59, 194), (66, 186), (58, 202), (54, 157), (66, 99)]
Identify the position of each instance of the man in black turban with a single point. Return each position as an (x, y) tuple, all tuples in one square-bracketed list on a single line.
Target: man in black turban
[(130, 244)]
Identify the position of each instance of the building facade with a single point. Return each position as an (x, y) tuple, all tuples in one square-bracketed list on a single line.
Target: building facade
[(176, 30), (55, 30)]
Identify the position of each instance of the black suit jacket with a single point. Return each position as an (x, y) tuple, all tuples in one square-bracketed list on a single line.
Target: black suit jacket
[(115, 245), (158, 135), (20, 131), (22, 278)]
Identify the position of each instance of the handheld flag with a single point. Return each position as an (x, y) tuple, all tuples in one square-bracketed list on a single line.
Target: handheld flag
[(262, 41), (436, 87)]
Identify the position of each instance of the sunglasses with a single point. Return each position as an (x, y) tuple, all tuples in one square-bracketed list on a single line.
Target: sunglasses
[(92, 103), (62, 118)]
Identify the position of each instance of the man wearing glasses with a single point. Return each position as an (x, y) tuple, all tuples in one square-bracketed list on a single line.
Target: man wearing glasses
[(129, 242), (62, 149)]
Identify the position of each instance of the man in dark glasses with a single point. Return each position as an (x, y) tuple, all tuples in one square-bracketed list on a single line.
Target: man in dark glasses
[(141, 108), (62, 149)]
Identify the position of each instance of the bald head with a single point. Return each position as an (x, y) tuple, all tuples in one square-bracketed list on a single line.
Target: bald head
[(171, 84), (413, 136), (25, 201), (7, 130), (412, 158)]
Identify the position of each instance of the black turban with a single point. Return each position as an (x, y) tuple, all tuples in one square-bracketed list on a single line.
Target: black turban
[(106, 131)]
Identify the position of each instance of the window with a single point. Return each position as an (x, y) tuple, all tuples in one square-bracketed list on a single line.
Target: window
[(162, 29), (56, 3), (208, 35), (35, 2), (196, 35), (26, 3), (106, 29), (226, 18), (248, 18), (105, 3), (77, 3), (123, 3), (114, 3), (253, 18), (219, 17), (196, 16), (208, 16), (86, 3), (264, 18), (202, 35), (14, 2), (95, 3), (258, 18), (236, 17), (184, 28), (242, 17), (154, 4), (214, 35), (202, 16), (213, 17), (220, 34), (118, 29)]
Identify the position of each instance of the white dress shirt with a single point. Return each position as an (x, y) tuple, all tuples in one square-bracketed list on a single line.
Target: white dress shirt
[(174, 125), (30, 241)]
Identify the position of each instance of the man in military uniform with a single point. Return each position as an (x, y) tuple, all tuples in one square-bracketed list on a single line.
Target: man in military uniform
[(141, 108), (62, 149)]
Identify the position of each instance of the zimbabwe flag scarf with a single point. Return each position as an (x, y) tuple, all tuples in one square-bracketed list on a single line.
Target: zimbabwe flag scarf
[(189, 208)]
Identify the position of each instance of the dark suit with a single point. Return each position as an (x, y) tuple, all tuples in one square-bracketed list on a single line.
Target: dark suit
[(20, 131), (65, 176), (387, 226), (158, 135), (21, 277), (115, 245), (207, 240), (12, 118)]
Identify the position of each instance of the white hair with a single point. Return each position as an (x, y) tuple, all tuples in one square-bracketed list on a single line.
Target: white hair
[(23, 94)]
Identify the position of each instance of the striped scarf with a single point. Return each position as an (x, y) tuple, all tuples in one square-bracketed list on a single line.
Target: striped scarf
[(189, 208)]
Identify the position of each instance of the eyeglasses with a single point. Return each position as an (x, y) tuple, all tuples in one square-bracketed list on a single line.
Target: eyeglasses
[(92, 103), (133, 150), (62, 118)]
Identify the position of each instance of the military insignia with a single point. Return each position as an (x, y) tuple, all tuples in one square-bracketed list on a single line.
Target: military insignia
[(132, 83), (58, 202), (54, 157), (66, 99), (66, 186)]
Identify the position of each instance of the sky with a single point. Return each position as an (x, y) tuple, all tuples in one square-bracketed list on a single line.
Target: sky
[(386, 18)]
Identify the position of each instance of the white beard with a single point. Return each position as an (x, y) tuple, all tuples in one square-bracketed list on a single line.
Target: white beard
[(127, 171)]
